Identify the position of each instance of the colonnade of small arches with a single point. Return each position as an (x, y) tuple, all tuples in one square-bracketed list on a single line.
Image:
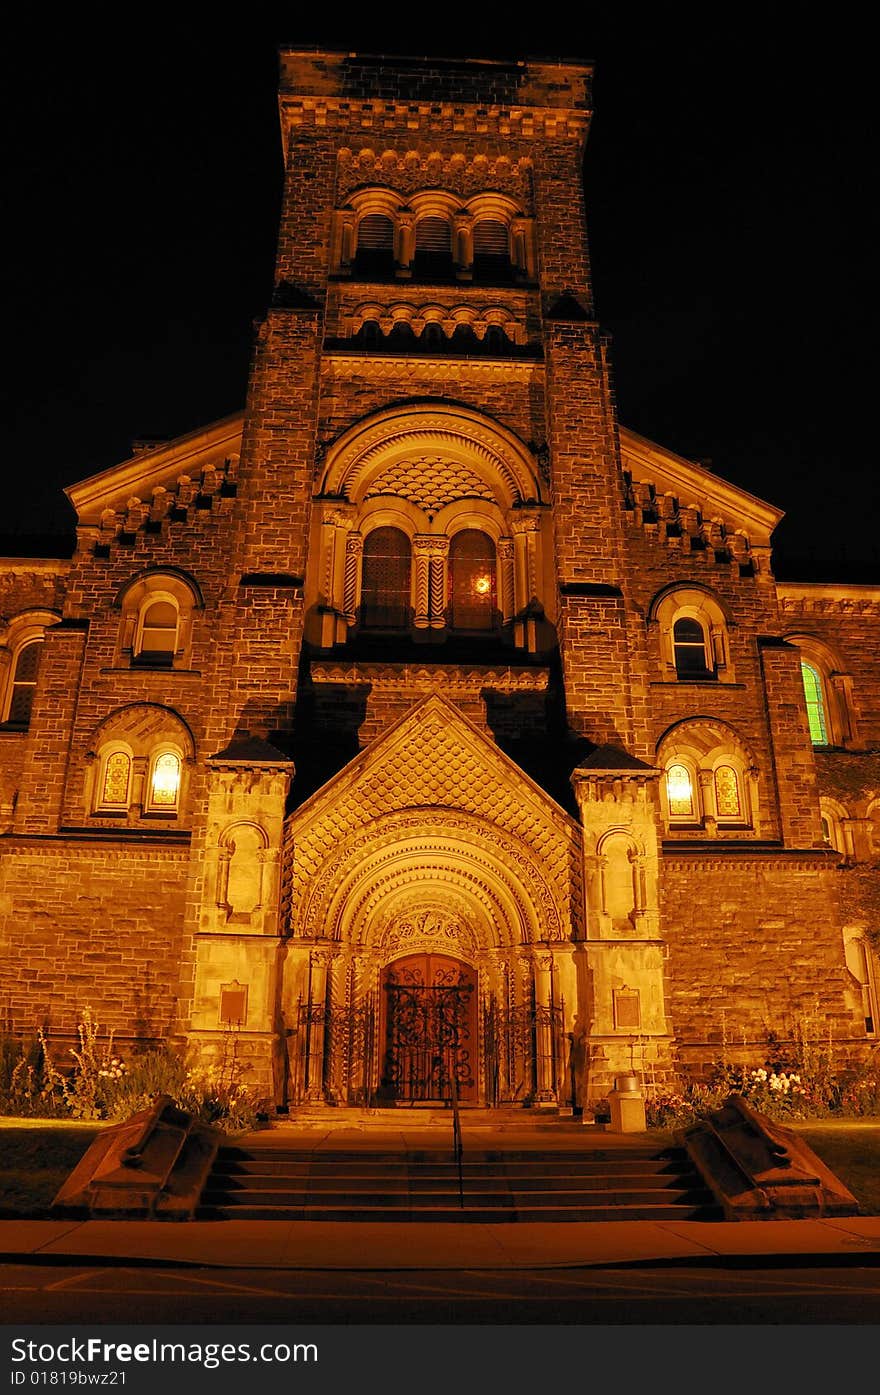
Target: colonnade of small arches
[(433, 235)]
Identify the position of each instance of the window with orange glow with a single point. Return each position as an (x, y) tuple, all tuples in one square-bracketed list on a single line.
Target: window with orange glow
[(472, 581), (165, 782), (680, 792)]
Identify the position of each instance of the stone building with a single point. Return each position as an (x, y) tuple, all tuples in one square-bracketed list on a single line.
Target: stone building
[(420, 723)]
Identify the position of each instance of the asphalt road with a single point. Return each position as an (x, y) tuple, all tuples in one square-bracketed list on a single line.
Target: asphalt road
[(79, 1293)]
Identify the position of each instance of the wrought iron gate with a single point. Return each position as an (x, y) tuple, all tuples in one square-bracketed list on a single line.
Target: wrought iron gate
[(524, 1052), (429, 1033), (428, 1042)]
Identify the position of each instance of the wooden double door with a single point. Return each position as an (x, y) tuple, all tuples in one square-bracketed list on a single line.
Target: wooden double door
[(429, 1030)]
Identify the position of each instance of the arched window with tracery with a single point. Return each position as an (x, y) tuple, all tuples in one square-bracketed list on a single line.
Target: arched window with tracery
[(115, 781), (728, 797), (815, 699), (385, 581), (163, 786), (24, 684), (473, 599), (680, 793), (374, 255)]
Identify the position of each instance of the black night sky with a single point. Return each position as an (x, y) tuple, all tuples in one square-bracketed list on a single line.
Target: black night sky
[(731, 176)]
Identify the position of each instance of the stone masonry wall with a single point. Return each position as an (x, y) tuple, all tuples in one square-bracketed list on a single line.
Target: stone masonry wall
[(754, 949), (91, 925)]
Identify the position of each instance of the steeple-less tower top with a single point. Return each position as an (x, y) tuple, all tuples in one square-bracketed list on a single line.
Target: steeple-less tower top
[(433, 170)]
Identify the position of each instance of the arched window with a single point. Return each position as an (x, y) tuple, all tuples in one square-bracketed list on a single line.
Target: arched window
[(163, 783), (385, 583), (156, 640), (465, 340), (433, 258), (370, 333), (432, 337), (693, 635), (860, 962), (728, 797), (495, 341), (374, 255), (680, 793), (710, 785), (114, 783), (690, 649), (24, 684), (491, 251), (815, 698), (158, 609), (472, 581)]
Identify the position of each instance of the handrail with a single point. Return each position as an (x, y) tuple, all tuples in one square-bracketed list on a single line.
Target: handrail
[(457, 1140)]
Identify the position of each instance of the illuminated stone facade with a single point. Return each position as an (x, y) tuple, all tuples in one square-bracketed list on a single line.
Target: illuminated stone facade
[(422, 692)]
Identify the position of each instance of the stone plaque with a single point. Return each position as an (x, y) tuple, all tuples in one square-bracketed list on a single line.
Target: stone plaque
[(627, 1009)]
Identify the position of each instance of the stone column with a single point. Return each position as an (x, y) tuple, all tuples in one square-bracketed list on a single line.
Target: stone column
[(318, 968), (508, 583), (546, 1093), (354, 551), (439, 561), (464, 246), (405, 244), (422, 549)]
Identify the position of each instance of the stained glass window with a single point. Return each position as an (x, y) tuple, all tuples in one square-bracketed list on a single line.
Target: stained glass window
[(385, 581), (117, 777), (689, 646), (165, 781), (679, 791), (472, 586), (24, 683), (727, 798), (815, 705)]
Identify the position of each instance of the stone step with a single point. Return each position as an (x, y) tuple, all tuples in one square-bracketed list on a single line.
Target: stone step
[(361, 1181), (551, 1167), (442, 1156), (454, 1213), (423, 1184), (474, 1197)]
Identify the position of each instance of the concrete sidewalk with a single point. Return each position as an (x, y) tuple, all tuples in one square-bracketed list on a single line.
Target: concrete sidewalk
[(369, 1245)]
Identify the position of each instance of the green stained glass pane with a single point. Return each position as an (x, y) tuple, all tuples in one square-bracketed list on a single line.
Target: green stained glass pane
[(815, 705)]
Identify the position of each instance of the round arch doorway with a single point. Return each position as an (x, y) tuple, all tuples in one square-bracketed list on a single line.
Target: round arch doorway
[(429, 1031)]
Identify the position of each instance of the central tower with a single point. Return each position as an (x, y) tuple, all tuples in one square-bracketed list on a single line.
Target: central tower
[(428, 609)]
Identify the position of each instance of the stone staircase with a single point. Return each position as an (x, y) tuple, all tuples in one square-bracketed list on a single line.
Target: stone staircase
[(273, 1181)]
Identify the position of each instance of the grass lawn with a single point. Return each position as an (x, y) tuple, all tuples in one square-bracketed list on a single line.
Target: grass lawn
[(851, 1148), (35, 1157)]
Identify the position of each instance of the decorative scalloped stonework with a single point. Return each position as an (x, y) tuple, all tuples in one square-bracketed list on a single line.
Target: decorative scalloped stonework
[(415, 169), (459, 435), (435, 782), (431, 482)]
